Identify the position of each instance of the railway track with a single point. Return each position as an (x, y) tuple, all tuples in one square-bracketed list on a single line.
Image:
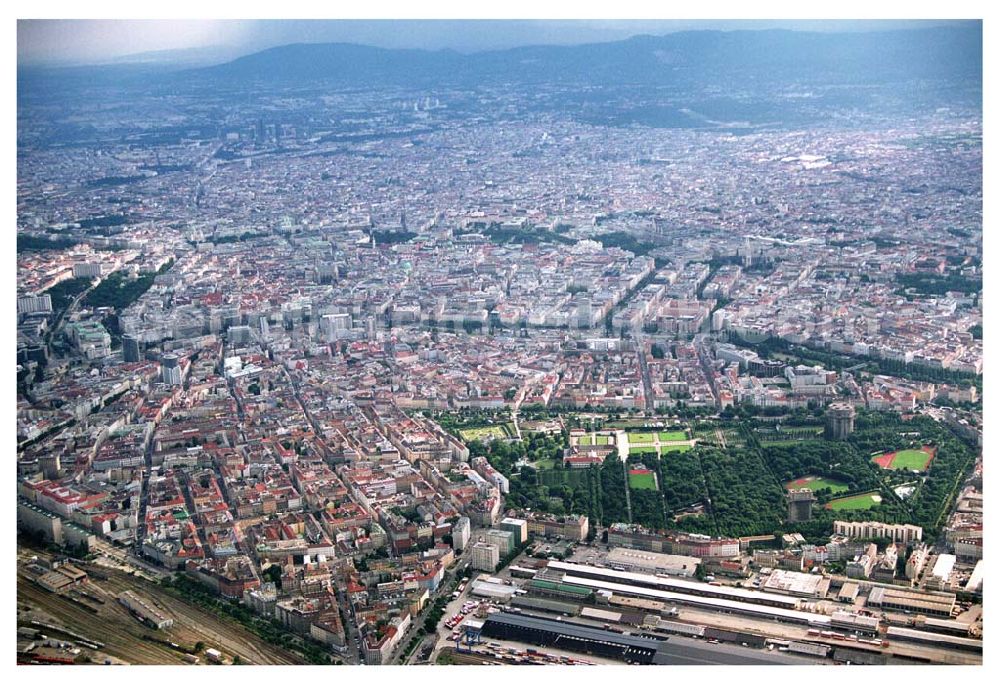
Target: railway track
[(120, 643), (110, 623)]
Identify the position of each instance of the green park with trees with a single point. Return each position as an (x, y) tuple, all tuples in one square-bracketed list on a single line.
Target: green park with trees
[(740, 489)]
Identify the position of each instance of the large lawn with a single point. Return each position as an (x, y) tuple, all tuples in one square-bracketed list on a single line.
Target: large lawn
[(666, 448), (626, 423), (545, 464), (858, 502), (815, 483), (641, 479), (485, 433), (642, 450), (673, 436), (599, 440), (641, 437), (907, 459)]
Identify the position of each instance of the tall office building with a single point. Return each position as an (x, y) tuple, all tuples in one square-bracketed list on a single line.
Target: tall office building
[(85, 270), (171, 376), (485, 557), (503, 539), (518, 526), (460, 533), (51, 464), (335, 326), (584, 314), (239, 334), (170, 371), (32, 304), (131, 350)]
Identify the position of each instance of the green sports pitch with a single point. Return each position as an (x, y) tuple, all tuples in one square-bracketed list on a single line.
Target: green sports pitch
[(641, 480), (907, 459), (816, 483), (858, 502)]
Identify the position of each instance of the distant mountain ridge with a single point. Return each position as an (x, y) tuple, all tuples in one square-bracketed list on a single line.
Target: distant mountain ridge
[(854, 58), (737, 81)]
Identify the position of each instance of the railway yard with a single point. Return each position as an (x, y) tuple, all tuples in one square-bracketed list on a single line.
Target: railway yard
[(805, 632), (94, 614)]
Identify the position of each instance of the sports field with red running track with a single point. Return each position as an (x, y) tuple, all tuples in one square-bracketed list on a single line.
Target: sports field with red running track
[(907, 459)]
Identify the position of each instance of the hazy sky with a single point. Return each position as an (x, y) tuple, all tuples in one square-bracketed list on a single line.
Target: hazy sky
[(98, 40)]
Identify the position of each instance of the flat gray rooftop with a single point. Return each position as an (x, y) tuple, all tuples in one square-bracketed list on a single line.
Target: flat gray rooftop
[(684, 651), (574, 629)]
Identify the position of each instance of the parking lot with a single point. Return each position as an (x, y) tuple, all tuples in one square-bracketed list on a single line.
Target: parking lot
[(592, 555), (453, 606)]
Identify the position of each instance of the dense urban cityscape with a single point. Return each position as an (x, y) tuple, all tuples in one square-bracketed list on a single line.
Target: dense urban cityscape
[(450, 363)]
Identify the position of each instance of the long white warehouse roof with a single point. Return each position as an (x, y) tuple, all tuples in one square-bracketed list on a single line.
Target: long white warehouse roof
[(702, 601), (670, 583)]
